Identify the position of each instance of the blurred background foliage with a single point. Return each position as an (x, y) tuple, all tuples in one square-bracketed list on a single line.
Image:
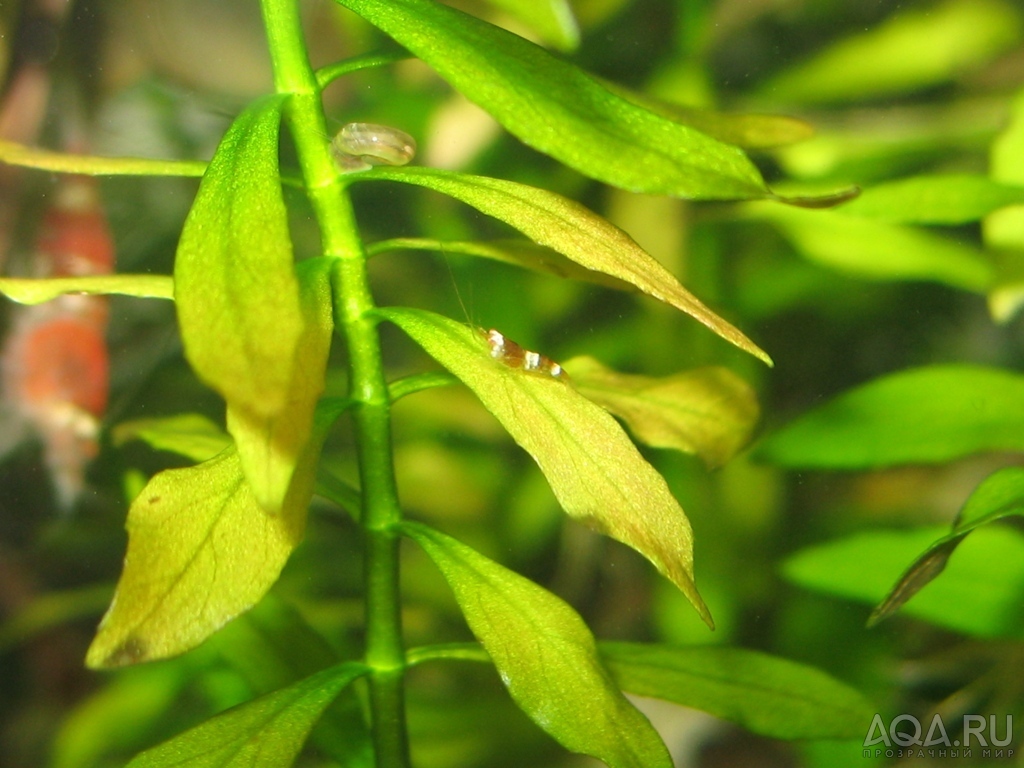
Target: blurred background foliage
[(790, 560)]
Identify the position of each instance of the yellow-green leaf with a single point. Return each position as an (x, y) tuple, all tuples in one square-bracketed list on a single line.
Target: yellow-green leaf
[(596, 473), (188, 434), (250, 331), (89, 165), (546, 657), (267, 732), (877, 249), (938, 199), (572, 230), (37, 290), (707, 411), (270, 444), (201, 550)]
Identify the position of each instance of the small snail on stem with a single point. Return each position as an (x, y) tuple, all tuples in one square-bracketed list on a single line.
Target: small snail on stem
[(360, 146)]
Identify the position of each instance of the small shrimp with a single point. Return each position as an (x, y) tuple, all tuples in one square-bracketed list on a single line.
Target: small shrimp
[(54, 364)]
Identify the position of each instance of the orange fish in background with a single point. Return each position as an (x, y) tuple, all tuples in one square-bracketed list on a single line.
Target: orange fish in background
[(54, 364)]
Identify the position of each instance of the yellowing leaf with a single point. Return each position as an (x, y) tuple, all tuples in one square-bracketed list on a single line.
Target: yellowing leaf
[(36, 291), (267, 732), (572, 230), (596, 473), (247, 330), (270, 445), (201, 550), (546, 656), (708, 411)]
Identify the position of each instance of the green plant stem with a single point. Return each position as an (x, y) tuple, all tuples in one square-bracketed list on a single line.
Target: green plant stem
[(353, 310)]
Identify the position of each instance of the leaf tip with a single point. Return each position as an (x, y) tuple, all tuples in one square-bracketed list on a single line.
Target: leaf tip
[(828, 200)]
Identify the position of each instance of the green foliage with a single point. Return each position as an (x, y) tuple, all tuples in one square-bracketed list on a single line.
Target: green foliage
[(298, 285), (560, 110), (908, 418), (561, 684)]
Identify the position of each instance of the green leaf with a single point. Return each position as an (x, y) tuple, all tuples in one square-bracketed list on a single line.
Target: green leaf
[(267, 732), (999, 496), (979, 593), (201, 550), (596, 473), (710, 412), (572, 230), (188, 434), (559, 110), (250, 330), (876, 249), (923, 416), (949, 199), (765, 694), (913, 49), (546, 657), (36, 291), (272, 646), (552, 20), (59, 162)]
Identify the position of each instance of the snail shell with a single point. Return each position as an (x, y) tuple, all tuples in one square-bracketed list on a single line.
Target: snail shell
[(360, 146)]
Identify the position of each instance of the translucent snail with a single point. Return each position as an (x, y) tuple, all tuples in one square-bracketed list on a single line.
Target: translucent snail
[(360, 146)]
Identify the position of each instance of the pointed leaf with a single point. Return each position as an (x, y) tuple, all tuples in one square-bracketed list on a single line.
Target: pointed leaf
[(36, 291), (594, 470), (267, 732), (876, 249), (979, 593), (546, 657), (572, 230), (560, 110), (273, 646), (201, 550), (247, 330), (188, 434), (765, 694), (922, 416), (1000, 495), (911, 50), (707, 411), (552, 20)]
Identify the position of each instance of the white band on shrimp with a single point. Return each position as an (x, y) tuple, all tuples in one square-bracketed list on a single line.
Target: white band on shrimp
[(360, 146)]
